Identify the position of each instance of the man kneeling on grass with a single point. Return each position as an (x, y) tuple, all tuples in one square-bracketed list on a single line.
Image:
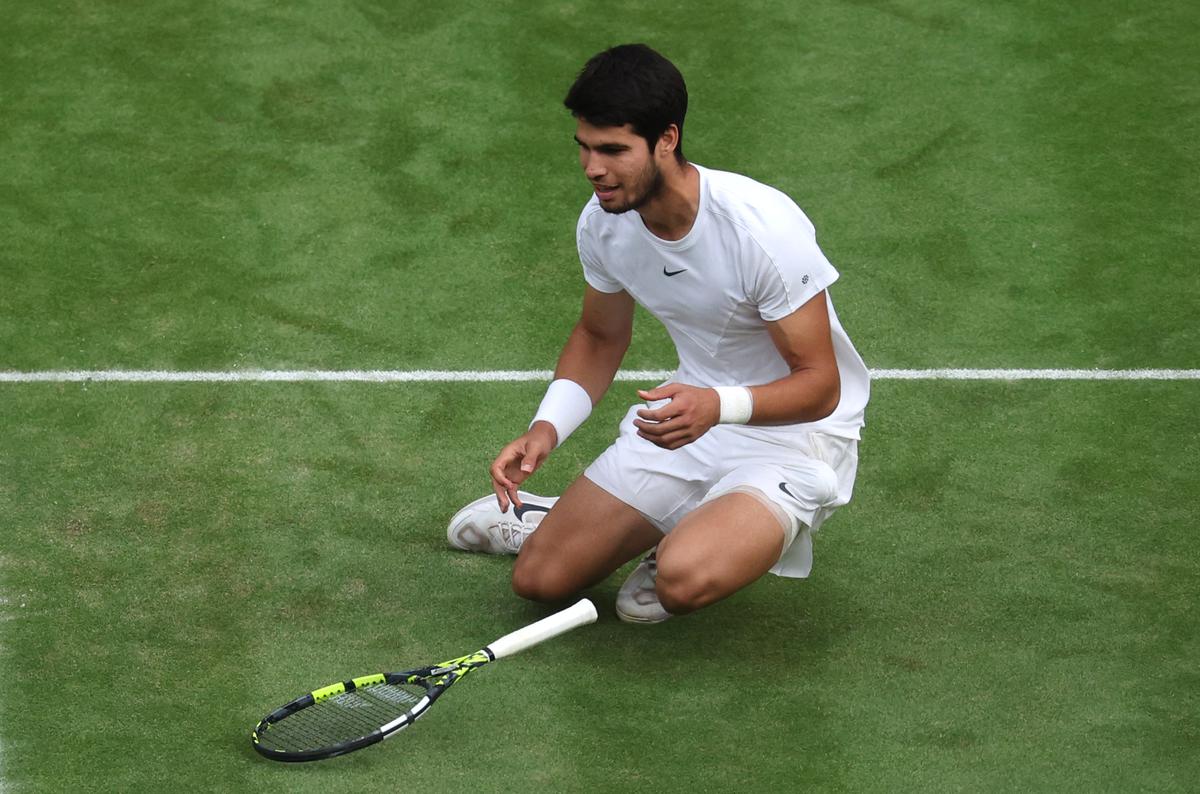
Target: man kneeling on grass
[(724, 472)]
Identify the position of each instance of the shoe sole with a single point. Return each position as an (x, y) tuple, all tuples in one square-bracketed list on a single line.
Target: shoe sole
[(627, 618)]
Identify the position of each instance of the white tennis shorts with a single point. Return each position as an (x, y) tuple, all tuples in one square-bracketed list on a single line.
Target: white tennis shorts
[(808, 475)]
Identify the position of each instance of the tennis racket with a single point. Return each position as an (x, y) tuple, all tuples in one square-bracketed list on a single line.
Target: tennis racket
[(354, 714)]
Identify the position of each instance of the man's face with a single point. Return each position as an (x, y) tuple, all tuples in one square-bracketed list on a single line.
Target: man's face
[(619, 165)]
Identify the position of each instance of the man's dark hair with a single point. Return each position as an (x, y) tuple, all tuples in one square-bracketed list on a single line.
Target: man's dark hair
[(631, 84)]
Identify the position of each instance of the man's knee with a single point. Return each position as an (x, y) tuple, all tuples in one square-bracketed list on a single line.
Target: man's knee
[(541, 580), (684, 588)]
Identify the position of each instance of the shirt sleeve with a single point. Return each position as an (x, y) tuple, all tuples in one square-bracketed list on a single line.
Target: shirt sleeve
[(787, 272), (594, 272)]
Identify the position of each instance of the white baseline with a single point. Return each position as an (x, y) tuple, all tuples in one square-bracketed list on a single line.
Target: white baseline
[(534, 375)]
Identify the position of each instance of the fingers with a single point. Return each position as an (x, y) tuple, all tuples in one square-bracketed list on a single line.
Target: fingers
[(670, 434), (517, 461), (663, 412), (501, 496), (506, 496), (658, 429), (671, 440), (503, 487), (681, 421), (504, 479), (679, 405), (663, 392), (537, 445), (530, 461)]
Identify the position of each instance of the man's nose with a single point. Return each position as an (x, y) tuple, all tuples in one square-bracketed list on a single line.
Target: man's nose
[(593, 166)]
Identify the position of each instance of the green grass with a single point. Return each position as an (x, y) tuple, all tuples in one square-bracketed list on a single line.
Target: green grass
[(1010, 613), (1006, 605)]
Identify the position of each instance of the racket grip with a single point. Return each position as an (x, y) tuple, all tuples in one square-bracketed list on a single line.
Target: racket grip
[(573, 617)]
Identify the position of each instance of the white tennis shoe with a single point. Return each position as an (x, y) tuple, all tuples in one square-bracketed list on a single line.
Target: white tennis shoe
[(480, 526), (637, 600)]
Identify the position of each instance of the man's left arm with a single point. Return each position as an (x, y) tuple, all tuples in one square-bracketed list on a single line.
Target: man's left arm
[(813, 388), (809, 392)]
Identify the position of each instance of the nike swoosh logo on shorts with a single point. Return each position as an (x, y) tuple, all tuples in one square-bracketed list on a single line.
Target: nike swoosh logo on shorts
[(783, 487)]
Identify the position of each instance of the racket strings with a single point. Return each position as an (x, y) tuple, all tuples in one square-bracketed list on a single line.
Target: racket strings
[(342, 718)]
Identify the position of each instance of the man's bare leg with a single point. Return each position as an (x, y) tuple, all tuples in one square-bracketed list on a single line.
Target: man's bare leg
[(588, 534), (716, 550)]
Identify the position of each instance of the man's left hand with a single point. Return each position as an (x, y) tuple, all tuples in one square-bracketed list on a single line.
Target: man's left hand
[(689, 414)]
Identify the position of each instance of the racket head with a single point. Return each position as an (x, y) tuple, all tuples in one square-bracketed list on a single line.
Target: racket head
[(350, 715), (343, 717)]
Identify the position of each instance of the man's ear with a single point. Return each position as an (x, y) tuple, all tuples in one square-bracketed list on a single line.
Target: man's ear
[(667, 142)]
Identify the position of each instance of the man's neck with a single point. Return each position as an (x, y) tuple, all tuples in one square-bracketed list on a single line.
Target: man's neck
[(671, 213)]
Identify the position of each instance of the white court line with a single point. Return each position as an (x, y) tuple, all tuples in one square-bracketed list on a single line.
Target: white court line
[(484, 376), (1035, 374)]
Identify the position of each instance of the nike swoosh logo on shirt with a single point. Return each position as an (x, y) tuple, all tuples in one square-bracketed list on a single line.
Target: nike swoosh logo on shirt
[(673, 272)]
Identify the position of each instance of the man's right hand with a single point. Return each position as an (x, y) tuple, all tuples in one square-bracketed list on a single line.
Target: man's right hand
[(519, 459)]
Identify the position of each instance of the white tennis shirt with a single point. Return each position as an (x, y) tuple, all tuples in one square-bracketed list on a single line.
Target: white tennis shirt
[(750, 257)]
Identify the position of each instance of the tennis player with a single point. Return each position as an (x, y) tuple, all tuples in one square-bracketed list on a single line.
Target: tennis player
[(724, 472)]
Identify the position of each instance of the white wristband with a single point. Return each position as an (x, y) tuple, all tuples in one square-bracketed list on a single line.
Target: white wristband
[(565, 406), (737, 404)]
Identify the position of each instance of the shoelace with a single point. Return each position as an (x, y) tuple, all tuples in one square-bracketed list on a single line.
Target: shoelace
[(514, 532)]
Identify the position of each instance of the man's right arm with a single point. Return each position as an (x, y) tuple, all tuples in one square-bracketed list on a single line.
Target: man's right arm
[(597, 344), (591, 356)]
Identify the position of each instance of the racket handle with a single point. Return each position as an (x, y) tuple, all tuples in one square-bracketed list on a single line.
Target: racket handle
[(581, 614)]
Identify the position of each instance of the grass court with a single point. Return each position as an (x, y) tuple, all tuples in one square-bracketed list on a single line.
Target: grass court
[(1009, 603)]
